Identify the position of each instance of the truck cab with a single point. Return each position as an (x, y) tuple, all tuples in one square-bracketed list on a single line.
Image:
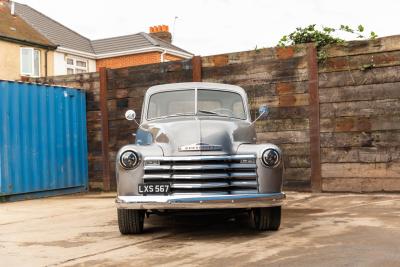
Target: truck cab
[(196, 149)]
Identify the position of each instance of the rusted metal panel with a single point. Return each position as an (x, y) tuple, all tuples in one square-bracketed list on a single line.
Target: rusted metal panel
[(315, 149), (104, 128)]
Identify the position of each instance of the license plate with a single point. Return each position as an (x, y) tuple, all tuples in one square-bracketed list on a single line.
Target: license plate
[(154, 189)]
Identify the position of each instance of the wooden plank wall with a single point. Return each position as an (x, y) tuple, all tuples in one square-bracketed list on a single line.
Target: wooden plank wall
[(359, 104), (277, 77), (126, 88), (91, 84), (359, 88)]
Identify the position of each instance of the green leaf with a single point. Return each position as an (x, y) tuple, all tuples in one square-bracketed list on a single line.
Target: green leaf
[(321, 36)]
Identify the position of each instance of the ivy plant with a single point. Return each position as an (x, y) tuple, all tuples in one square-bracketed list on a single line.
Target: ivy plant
[(322, 36)]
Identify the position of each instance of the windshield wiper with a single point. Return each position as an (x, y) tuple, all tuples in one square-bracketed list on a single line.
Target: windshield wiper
[(214, 113), (183, 114), (176, 114), (208, 112)]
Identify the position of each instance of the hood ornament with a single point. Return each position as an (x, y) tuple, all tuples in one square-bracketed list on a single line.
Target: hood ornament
[(200, 147)]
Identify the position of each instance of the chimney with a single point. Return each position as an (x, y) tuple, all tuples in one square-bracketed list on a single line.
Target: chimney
[(161, 32)]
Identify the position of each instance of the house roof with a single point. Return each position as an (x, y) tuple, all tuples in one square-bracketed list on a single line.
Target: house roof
[(13, 28), (53, 30), (67, 38), (131, 42)]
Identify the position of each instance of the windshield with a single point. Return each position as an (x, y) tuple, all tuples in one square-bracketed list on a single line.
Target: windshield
[(209, 103)]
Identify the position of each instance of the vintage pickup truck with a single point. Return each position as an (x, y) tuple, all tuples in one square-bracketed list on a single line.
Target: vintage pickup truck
[(196, 150)]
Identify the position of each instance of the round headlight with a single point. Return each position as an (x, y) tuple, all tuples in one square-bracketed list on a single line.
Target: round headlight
[(129, 159), (271, 158)]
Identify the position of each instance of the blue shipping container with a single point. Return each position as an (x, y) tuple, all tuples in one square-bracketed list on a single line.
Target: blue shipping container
[(43, 146)]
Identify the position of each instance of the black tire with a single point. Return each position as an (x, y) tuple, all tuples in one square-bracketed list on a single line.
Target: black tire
[(264, 219), (130, 221)]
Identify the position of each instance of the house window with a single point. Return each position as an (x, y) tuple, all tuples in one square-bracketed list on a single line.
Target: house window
[(81, 63), (76, 65), (30, 61)]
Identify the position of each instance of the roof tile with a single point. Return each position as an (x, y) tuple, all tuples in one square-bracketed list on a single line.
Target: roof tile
[(53, 30)]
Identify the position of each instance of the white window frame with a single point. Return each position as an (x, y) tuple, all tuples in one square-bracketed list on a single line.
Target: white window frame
[(70, 68), (31, 74), (74, 66)]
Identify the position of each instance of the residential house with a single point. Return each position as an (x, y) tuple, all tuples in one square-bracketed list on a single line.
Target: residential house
[(23, 50), (74, 53), (77, 54), (138, 49)]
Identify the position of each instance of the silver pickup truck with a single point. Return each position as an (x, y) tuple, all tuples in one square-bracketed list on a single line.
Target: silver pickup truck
[(196, 150)]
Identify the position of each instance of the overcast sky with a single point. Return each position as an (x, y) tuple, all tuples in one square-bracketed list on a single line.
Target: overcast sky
[(206, 27)]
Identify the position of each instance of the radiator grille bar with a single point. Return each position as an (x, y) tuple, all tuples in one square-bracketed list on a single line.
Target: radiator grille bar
[(231, 174)]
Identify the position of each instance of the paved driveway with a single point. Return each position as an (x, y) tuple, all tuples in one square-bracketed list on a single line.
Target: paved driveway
[(317, 230)]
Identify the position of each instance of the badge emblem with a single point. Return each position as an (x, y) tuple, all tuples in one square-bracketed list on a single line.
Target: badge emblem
[(200, 147)]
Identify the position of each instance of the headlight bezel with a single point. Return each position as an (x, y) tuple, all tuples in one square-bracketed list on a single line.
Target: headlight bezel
[(265, 160), (136, 160)]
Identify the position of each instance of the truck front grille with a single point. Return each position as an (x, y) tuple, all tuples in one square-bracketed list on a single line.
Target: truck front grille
[(235, 174)]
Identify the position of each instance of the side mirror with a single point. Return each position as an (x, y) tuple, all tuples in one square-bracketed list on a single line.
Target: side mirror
[(130, 115), (263, 111)]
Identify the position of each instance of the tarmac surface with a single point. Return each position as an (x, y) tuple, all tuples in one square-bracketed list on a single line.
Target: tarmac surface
[(316, 230)]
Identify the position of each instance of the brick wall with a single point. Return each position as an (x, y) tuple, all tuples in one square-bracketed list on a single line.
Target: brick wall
[(171, 57), (133, 60)]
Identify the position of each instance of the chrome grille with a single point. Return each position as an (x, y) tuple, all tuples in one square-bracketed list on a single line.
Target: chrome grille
[(235, 174)]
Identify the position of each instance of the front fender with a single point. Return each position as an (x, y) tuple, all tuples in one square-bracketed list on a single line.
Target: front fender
[(128, 180), (270, 180)]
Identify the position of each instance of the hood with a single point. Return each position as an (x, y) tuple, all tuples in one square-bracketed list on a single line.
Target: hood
[(184, 135)]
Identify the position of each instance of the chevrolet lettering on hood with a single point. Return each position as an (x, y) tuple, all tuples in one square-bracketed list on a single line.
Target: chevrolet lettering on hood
[(196, 149), (200, 147)]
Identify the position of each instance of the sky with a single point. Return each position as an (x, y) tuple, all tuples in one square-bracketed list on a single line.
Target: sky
[(208, 27)]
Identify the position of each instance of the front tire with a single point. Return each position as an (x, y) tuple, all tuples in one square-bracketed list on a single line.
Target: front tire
[(264, 219), (130, 221)]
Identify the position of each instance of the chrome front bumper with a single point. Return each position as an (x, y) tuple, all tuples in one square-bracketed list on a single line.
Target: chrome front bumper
[(200, 202)]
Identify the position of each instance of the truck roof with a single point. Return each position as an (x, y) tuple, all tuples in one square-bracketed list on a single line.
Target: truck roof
[(198, 85)]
